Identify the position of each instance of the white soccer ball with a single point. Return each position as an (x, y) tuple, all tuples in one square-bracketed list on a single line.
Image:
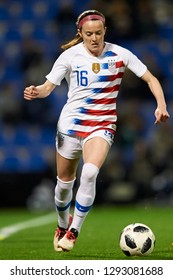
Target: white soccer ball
[(137, 240)]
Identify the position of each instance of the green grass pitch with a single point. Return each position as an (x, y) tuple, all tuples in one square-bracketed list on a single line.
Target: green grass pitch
[(99, 238)]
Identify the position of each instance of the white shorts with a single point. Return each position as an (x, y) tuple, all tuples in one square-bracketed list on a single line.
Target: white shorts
[(71, 147)]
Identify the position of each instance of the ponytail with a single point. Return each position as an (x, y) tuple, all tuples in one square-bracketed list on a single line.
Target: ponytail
[(77, 39)]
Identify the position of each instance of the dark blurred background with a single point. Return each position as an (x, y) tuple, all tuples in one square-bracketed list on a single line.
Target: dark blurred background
[(139, 167)]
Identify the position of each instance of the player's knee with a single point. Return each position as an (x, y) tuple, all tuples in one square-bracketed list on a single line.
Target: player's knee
[(89, 172)]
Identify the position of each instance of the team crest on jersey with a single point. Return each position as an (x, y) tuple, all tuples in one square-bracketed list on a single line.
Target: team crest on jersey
[(111, 66), (96, 67)]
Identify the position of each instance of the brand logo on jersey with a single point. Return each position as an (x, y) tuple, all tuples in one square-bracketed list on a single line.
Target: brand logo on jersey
[(96, 67), (112, 66)]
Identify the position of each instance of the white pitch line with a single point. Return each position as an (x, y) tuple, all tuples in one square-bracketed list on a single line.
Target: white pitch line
[(43, 220)]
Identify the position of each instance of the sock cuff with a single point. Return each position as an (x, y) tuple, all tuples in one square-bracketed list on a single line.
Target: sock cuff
[(65, 182), (91, 165)]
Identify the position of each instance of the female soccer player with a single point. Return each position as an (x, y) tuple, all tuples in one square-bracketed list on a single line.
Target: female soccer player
[(93, 70)]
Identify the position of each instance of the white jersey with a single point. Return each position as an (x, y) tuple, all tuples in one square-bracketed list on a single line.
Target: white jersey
[(93, 86)]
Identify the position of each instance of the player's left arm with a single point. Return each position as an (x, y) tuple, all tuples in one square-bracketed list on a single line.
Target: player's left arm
[(161, 112)]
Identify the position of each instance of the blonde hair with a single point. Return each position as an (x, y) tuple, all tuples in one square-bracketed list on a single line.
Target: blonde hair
[(78, 39)]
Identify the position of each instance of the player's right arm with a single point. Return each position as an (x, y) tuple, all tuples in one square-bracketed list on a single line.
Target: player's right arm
[(40, 91)]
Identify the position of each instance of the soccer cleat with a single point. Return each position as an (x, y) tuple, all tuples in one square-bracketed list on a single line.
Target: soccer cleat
[(59, 234), (67, 242)]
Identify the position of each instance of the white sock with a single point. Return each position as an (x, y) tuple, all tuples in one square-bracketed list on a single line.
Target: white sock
[(85, 195), (63, 198)]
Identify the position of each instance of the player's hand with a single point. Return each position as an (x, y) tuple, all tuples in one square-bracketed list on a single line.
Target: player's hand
[(30, 93), (161, 116)]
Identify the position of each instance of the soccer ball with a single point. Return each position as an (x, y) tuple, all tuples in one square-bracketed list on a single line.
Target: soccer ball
[(137, 240)]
